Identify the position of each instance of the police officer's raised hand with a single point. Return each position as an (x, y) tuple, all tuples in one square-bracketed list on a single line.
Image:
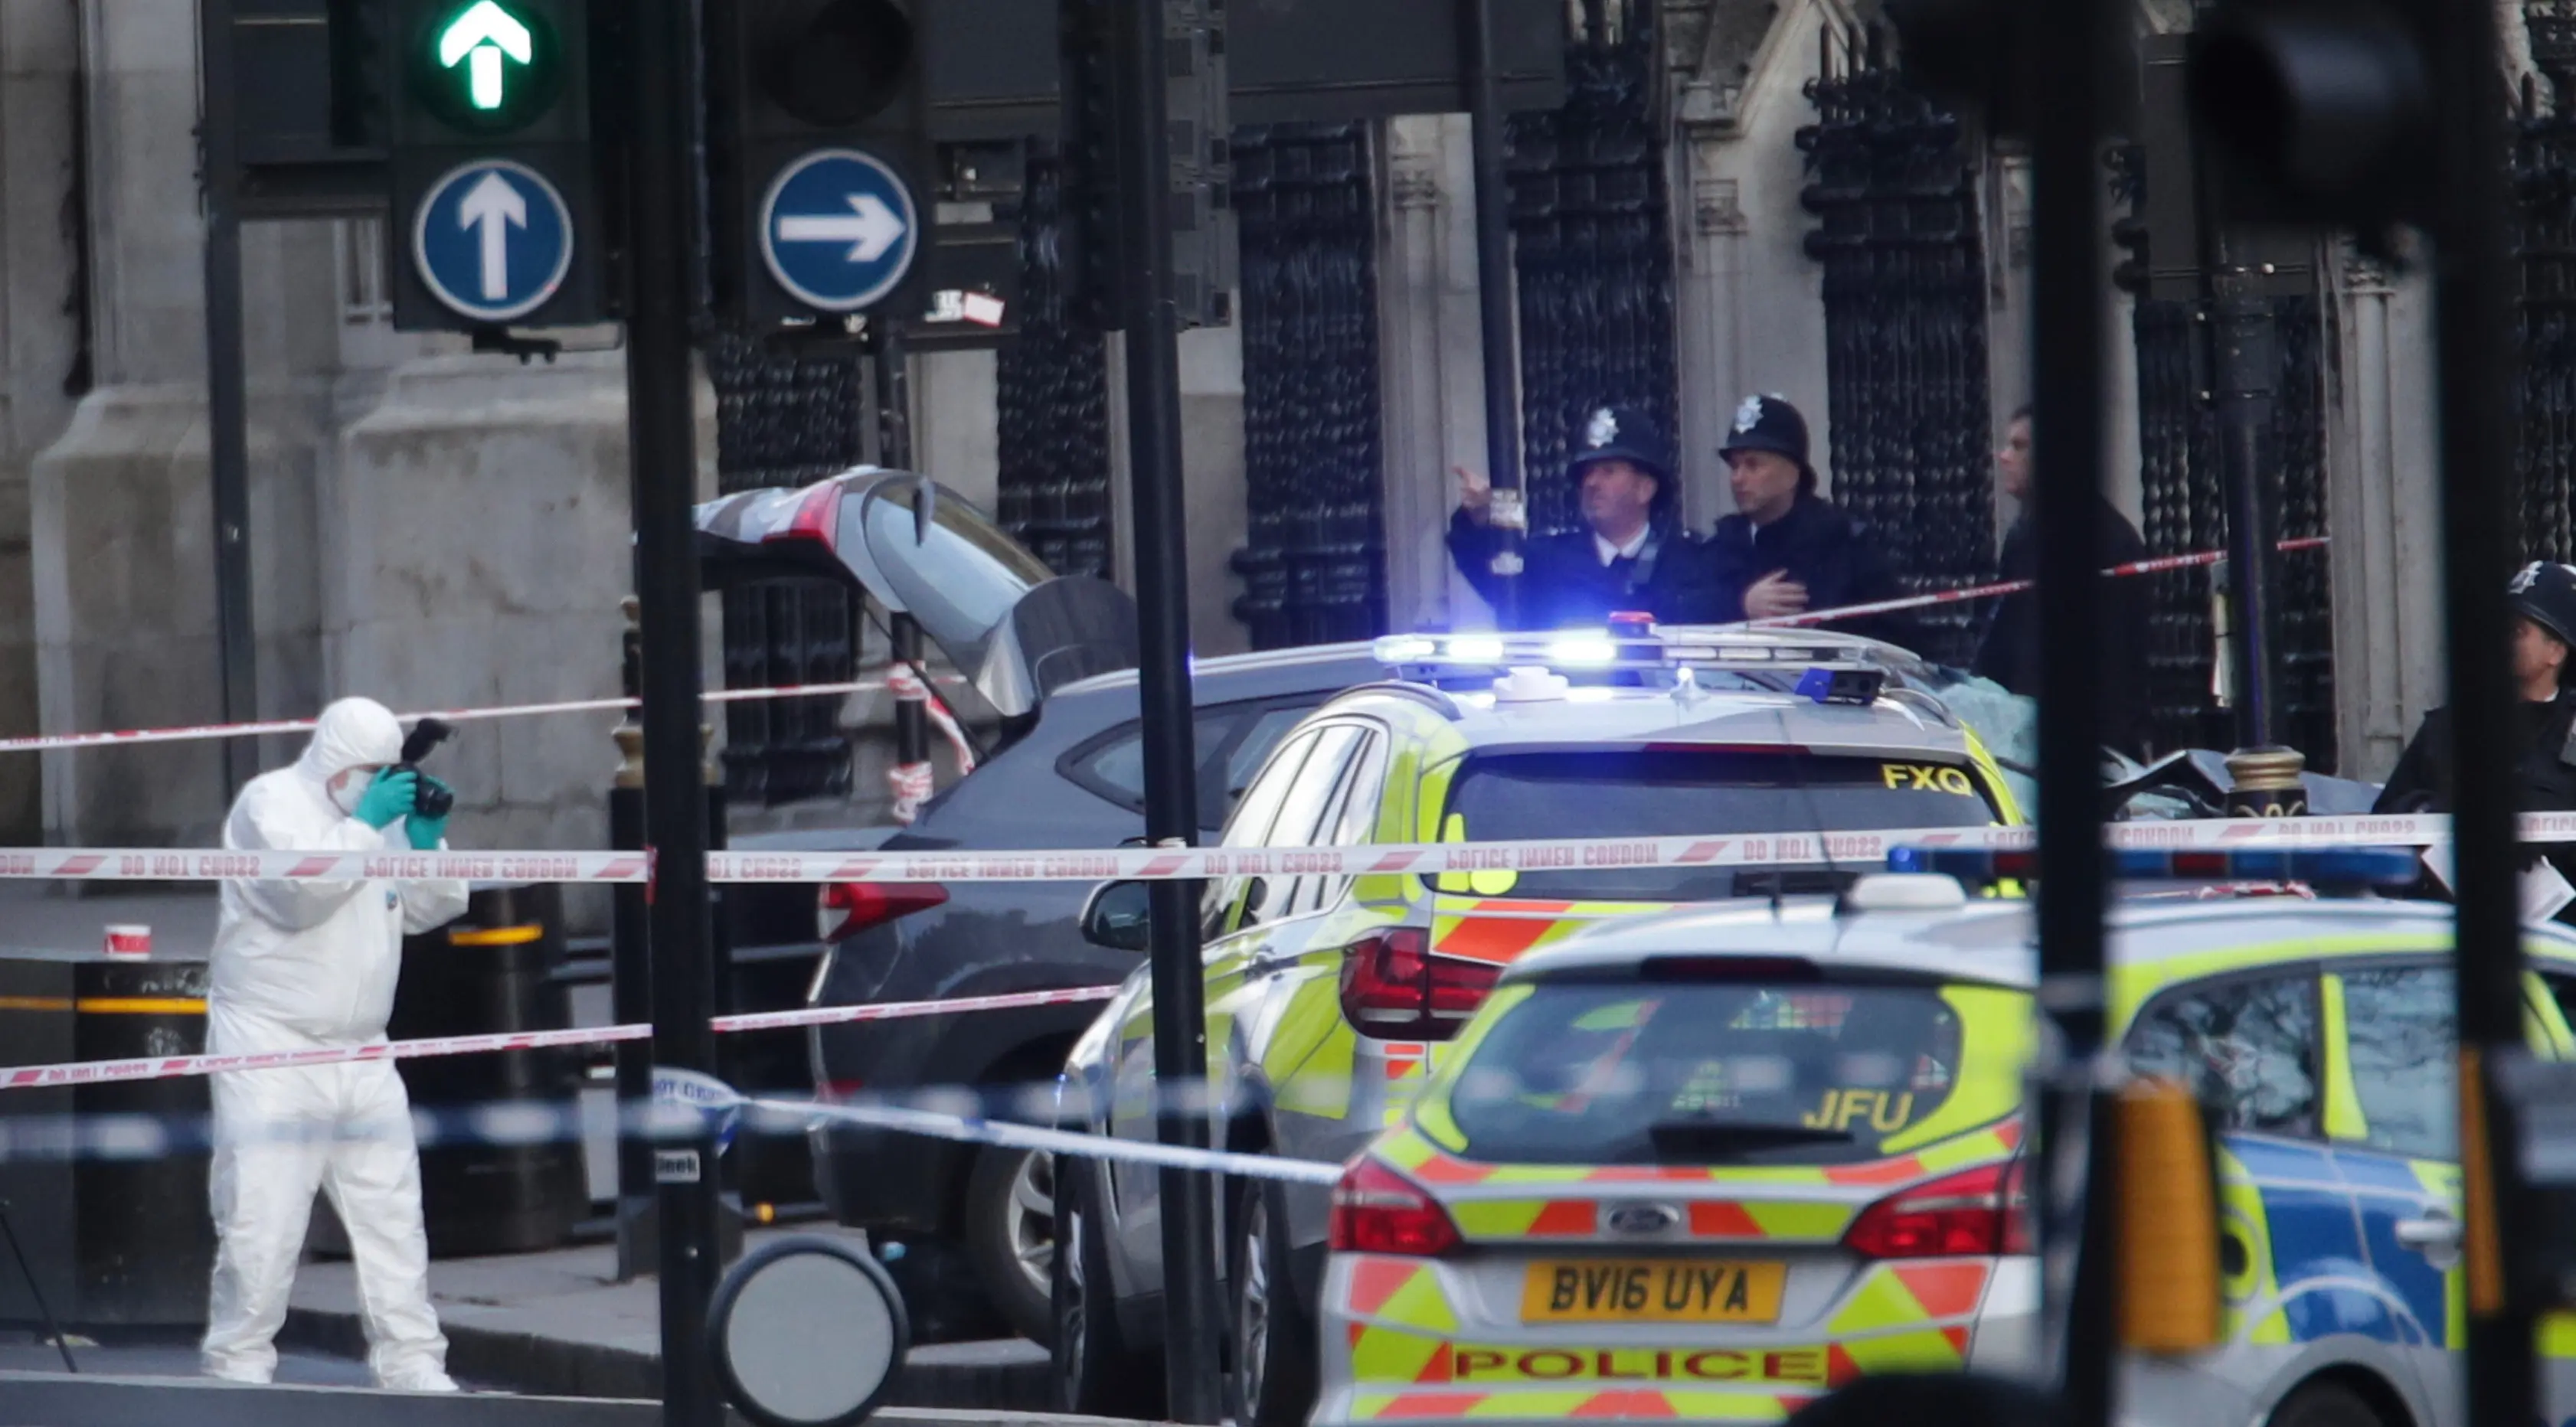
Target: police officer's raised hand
[(1475, 495), (1774, 595)]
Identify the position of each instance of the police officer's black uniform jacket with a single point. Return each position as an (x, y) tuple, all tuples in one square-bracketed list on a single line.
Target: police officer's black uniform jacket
[(1563, 582), (2010, 653), (1821, 547), (2544, 774), (2544, 769)]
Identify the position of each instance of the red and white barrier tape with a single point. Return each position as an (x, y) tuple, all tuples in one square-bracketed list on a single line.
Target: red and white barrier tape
[(2162, 564), (173, 1067), (197, 732), (909, 688), (1193, 864)]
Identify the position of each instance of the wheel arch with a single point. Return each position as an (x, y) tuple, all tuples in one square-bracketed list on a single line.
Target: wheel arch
[(2373, 1387)]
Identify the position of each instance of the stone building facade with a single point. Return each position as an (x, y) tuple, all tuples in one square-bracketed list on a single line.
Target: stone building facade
[(439, 528)]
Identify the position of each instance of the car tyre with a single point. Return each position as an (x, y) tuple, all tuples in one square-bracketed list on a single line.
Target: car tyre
[(2326, 1404), (1096, 1373), (1010, 1237), (1270, 1381)]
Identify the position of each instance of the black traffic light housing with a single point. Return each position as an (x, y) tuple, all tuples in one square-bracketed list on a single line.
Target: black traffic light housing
[(789, 78), (2320, 111), (476, 81)]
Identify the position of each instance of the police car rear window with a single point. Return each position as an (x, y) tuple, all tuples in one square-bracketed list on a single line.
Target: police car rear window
[(1691, 792), (1707, 1074)]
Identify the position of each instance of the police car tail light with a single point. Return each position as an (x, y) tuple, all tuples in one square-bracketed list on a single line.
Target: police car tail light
[(1981, 1211), (1378, 1211), (1395, 988), (849, 908)]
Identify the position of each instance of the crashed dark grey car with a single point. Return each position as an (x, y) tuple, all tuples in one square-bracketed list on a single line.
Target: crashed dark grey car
[(1055, 658)]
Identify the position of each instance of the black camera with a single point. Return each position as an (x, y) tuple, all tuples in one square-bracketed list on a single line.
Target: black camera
[(434, 799)]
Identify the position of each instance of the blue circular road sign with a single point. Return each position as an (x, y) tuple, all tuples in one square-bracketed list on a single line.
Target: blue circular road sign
[(839, 230), (493, 240)]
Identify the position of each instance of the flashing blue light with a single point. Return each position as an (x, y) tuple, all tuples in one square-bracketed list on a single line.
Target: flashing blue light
[(2332, 866), (1842, 686)]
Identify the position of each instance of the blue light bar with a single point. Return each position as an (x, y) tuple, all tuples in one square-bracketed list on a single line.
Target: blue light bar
[(1857, 687), (2346, 866)]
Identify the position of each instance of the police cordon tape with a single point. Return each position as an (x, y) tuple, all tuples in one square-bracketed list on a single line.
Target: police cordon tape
[(189, 733), (2161, 565), (1165, 864), (133, 1138), (186, 733), (173, 1067)]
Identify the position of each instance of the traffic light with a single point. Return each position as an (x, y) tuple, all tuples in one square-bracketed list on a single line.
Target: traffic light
[(818, 157), (496, 218), (2320, 111)]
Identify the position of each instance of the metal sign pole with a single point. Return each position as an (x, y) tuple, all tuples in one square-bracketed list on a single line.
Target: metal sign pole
[(1494, 293), (2472, 279), (1171, 772), (227, 398), (661, 421), (2068, 47)]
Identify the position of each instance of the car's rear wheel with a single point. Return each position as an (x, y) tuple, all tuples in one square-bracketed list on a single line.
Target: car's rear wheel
[(1271, 1377), (2326, 1404), (1096, 1373), (1010, 1236)]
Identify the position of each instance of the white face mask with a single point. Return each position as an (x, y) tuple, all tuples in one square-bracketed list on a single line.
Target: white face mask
[(346, 788)]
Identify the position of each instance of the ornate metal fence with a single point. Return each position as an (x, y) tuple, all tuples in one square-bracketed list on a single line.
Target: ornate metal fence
[(2184, 500), (1594, 256), (785, 421), (2544, 229), (1895, 197), (1052, 395), (1314, 558)]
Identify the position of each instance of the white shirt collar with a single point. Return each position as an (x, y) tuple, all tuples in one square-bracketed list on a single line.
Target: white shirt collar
[(1609, 552)]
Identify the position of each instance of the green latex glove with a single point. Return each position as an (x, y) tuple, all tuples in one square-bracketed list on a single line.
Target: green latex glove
[(426, 832), (387, 798)]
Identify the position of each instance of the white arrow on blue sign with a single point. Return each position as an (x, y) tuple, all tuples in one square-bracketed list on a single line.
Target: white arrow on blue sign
[(493, 240), (839, 230)]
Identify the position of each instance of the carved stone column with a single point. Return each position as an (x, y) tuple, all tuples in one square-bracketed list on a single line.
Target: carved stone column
[(2382, 509), (1430, 363)]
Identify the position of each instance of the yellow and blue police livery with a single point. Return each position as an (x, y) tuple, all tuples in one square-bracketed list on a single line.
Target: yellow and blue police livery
[(1331, 999), (1821, 1107)]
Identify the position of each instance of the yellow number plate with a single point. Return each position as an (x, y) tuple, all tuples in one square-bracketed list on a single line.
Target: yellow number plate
[(1652, 1291)]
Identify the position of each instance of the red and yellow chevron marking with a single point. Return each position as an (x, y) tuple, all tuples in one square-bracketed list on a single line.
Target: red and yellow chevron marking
[(1501, 929)]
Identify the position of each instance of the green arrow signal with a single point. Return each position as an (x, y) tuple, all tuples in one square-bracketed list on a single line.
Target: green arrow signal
[(482, 39)]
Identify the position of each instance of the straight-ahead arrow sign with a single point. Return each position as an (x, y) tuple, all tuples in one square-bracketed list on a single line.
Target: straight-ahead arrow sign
[(870, 228), (495, 205)]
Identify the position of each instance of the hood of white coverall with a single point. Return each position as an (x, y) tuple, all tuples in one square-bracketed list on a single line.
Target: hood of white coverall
[(299, 963), (353, 733)]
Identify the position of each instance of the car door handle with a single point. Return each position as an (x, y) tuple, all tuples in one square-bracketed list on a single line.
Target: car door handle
[(2439, 1231)]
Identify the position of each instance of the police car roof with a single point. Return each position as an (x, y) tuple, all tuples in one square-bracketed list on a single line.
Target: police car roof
[(1751, 718), (1993, 942)]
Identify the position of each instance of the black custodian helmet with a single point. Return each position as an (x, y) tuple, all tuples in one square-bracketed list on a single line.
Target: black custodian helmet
[(2545, 594), (1770, 423), (1623, 433)]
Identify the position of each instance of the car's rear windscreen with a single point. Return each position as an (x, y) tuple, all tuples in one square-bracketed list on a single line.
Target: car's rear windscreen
[(1732, 1073), (1696, 792)]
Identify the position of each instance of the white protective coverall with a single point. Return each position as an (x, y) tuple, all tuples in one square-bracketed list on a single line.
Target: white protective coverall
[(301, 964)]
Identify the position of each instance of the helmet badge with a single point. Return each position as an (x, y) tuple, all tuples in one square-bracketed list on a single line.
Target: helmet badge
[(1603, 430)]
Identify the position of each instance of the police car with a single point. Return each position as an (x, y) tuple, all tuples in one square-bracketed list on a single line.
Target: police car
[(1708, 1165), (1330, 998)]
